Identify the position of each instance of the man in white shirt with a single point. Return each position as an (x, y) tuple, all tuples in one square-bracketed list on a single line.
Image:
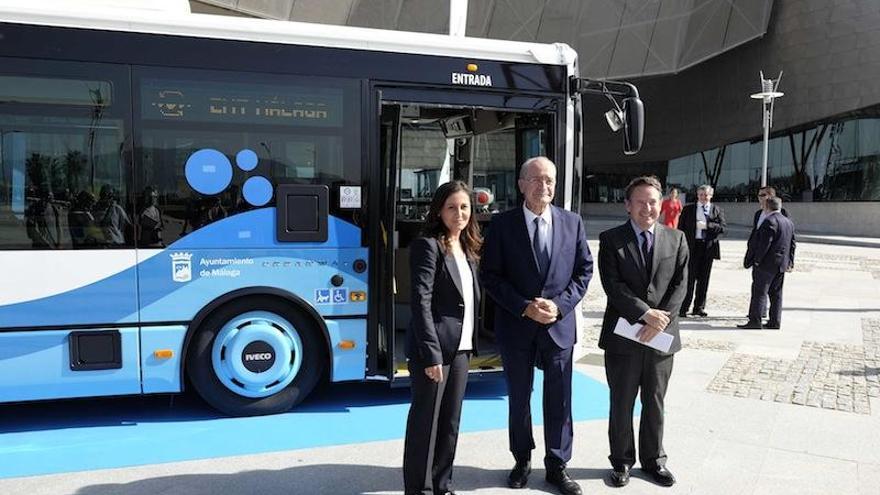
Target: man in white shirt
[(702, 223)]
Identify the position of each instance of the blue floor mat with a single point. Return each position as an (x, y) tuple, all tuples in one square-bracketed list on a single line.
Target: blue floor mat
[(77, 435)]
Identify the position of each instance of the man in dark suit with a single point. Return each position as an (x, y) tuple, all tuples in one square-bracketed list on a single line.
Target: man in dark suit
[(702, 223), (536, 266), (643, 266), (763, 194), (770, 254)]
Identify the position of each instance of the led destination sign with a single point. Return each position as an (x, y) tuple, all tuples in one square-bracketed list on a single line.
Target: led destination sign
[(191, 101)]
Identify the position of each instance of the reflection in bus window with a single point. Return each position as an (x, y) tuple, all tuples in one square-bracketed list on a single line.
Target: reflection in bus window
[(287, 133), (62, 138)]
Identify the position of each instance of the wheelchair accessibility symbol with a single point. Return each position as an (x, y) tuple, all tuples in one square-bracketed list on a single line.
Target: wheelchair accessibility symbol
[(340, 295)]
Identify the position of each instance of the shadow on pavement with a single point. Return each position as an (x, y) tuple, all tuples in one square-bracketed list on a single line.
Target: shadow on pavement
[(336, 479), (178, 408)]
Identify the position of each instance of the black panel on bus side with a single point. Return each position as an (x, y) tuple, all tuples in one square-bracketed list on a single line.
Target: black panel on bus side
[(301, 212)]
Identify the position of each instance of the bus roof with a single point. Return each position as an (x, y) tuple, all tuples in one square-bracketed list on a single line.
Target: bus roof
[(167, 17)]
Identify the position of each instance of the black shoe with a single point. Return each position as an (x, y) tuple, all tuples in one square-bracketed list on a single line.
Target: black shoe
[(660, 475), (751, 325), (700, 312), (563, 482), (620, 477), (519, 475), (772, 325), (682, 314)]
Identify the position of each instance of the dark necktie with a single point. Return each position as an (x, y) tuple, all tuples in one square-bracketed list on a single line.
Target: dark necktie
[(539, 245), (647, 250)]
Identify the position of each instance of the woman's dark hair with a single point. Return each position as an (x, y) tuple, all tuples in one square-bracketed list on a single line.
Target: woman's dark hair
[(471, 240)]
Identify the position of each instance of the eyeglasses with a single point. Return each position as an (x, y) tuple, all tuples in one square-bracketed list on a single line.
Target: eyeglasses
[(542, 180), (763, 195)]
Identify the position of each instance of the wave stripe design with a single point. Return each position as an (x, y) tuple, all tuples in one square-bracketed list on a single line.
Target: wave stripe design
[(113, 297)]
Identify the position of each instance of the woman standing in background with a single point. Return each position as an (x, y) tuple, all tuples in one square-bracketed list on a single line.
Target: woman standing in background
[(670, 209)]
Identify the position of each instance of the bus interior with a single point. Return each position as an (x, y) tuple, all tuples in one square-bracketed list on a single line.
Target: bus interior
[(436, 144)]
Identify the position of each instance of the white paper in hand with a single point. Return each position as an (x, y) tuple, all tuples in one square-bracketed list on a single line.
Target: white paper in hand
[(662, 341)]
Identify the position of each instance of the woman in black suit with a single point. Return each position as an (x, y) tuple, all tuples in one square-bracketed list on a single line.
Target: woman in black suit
[(442, 336)]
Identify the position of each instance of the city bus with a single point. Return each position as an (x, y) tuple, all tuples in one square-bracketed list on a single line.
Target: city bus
[(226, 204)]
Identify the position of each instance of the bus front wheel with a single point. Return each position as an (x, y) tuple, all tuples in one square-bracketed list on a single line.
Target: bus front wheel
[(255, 356)]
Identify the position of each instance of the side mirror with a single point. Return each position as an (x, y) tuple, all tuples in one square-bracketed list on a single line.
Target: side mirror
[(633, 125)]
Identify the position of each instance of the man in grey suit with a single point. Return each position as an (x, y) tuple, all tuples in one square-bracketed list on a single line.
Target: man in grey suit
[(643, 266), (770, 254)]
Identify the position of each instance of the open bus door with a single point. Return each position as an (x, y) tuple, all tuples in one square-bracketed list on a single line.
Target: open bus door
[(424, 145)]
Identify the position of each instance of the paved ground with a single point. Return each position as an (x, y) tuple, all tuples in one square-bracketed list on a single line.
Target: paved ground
[(784, 411)]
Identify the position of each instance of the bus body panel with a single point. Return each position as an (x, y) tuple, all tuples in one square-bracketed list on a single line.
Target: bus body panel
[(348, 363), (162, 375), (75, 287), (240, 252), (36, 365)]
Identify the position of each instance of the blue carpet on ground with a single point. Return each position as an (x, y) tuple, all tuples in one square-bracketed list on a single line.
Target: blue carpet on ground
[(78, 435)]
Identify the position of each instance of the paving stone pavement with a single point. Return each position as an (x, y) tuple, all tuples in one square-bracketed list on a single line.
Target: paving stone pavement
[(826, 375)]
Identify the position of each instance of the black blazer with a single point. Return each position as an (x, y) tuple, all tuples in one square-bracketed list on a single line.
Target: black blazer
[(631, 292), (437, 304), (715, 227), (771, 247)]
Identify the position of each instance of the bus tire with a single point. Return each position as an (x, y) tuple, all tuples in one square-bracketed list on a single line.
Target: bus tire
[(254, 356)]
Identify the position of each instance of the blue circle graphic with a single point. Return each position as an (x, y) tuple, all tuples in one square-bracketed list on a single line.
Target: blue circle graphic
[(208, 171), (257, 190), (246, 160)]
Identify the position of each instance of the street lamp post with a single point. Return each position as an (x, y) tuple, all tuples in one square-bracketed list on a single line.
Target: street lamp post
[(767, 95)]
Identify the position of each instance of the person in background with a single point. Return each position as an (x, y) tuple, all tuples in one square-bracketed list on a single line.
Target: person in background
[(671, 209), (770, 254), (703, 224), (442, 336), (765, 193), (150, 223), (111, 216)]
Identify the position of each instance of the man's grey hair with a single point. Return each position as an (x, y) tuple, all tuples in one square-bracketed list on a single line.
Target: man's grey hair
[(528, 163), (706, 187), (774, 203)]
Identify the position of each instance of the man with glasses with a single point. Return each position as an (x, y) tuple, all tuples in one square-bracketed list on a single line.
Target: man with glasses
[(764, 193), (703, 224)]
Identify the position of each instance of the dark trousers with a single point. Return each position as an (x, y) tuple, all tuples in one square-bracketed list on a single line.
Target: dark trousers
[(647, 373), (519, 372), (699, 269), (432, 426), (766, 284)]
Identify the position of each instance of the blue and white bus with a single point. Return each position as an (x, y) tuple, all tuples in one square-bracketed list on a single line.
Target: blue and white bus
[(227, 203)]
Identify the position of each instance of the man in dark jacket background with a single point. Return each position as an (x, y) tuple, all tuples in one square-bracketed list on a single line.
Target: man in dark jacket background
[(703, 224), (770, 254)]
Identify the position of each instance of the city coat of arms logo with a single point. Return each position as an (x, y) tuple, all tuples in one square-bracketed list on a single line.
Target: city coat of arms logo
[(181, 267)]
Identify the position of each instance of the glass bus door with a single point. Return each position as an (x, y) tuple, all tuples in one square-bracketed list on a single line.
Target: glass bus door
[(424, 145)]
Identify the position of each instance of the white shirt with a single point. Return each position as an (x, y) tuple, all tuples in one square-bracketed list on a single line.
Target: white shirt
[(701, 217), (763, 216), (546, 227), (467, 292)]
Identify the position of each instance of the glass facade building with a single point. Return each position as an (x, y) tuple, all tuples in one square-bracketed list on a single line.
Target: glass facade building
[(831, 160)]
